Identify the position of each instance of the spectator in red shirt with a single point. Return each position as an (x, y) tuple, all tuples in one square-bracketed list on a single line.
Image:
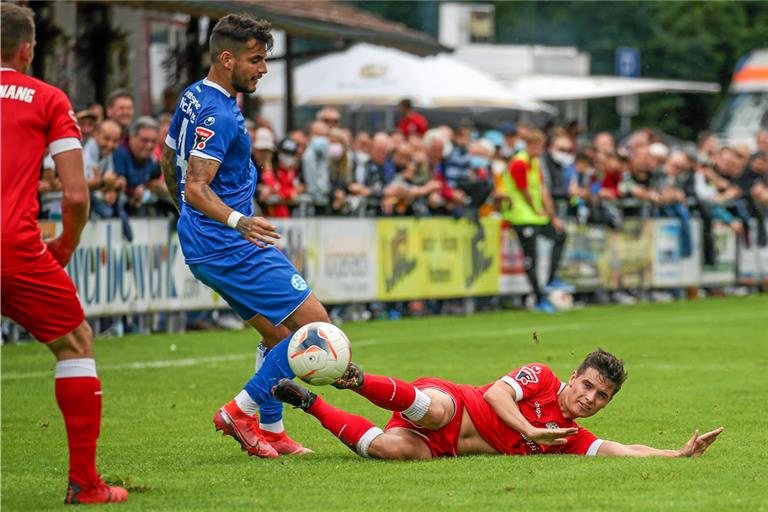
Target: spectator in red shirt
[(283, 182), (411, 122)]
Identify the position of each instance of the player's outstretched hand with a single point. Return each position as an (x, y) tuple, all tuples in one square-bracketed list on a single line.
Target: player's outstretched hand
[(258, 230), (551, 437), (698, 444), (59, 250)]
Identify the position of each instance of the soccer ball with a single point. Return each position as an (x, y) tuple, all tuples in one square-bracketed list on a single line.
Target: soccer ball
[(561, 299), (319, 353)]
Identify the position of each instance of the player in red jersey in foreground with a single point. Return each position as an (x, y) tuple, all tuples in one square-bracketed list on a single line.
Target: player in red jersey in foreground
[(528, 411), (36, 292)]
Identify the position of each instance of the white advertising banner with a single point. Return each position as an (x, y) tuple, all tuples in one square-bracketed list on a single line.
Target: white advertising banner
[(345, 262), (753, 260), (669, 267), (723, 272), (114, 276)]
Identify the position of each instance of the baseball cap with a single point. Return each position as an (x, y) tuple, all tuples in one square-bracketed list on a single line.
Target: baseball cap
[(495, 137), (264, 139), (86, 113), (288, 146), (508, 128)]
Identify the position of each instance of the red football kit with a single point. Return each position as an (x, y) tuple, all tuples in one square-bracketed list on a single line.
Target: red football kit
[(36, 292), (536, 389)]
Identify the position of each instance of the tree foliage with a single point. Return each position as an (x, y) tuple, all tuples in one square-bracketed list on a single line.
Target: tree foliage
[(685, 40), (699, 41)]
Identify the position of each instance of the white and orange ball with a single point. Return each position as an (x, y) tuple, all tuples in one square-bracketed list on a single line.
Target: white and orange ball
[(319, 353)]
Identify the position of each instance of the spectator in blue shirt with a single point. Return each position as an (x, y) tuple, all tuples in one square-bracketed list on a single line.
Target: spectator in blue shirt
[(134, 162)]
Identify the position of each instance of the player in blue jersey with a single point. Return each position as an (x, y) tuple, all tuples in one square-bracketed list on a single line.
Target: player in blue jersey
[(208, 170)]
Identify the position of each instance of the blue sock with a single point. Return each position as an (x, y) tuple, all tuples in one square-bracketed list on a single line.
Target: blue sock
[(275, 367), (271, 410)]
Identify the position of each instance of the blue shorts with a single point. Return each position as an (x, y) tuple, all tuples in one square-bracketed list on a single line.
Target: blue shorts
[(255, 281)]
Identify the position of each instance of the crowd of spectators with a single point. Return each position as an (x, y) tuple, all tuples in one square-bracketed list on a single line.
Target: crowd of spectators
[(458, 171)]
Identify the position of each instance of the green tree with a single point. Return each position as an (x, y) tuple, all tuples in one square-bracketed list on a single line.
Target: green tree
[(685, 40), (682, 40)]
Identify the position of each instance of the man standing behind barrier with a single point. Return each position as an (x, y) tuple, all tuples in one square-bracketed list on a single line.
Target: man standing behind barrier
[(211, 177), (36, 292), (531, 213)]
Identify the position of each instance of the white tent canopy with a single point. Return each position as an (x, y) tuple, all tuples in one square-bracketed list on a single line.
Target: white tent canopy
[(562, 88), (372, 75)]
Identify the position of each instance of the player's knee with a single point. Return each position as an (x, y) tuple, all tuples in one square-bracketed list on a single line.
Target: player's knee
[(438, 415), (76, 344)]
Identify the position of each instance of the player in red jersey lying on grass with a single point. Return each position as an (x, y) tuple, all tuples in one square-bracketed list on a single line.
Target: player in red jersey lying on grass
[(527, 411)]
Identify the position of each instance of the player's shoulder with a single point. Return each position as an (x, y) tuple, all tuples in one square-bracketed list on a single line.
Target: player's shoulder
[(533, 371), (41, 88)]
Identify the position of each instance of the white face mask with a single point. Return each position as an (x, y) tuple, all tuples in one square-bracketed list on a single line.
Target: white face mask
[(286, 161), (335, 151), (563, 158)]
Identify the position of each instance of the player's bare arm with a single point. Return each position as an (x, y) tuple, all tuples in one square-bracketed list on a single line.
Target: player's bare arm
[(199, 195), (74, 204), (168, 166), (502, 399), (695, 447)]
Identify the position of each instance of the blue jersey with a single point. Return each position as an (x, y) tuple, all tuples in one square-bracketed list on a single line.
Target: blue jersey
[(208, 124)]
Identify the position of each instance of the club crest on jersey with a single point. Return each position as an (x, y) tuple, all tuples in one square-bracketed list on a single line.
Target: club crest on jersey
[(201, 137), (298, 282), (551, 425), (528, 375)]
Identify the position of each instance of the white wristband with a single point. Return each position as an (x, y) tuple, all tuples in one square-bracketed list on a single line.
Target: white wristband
[(234, 217)]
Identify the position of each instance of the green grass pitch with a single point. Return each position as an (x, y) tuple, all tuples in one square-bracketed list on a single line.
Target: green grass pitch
[(691, 365)]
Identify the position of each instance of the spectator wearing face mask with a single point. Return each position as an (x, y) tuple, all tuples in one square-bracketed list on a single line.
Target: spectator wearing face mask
[(478, 184), (315, 164), (339, 169), (283, 184), (558, 157)]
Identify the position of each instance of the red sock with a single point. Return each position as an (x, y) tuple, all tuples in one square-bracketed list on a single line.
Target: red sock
[(387, 392), (347, 427), (79, 399)]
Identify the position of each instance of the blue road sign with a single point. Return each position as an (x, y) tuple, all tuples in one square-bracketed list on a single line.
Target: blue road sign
[(628, 62)]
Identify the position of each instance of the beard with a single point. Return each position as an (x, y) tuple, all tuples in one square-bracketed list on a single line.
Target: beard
[(242, 83)]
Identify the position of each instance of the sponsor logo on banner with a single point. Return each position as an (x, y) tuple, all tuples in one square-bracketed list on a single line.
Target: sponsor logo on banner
[(113, 276), (402, 264)]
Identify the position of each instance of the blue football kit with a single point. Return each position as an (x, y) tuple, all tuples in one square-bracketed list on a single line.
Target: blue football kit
[(208, 124)]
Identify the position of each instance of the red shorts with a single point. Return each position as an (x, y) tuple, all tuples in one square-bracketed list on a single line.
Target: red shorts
[(42, 299), (443, 442)]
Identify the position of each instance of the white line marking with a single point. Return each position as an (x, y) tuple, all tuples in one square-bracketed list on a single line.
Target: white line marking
[(442, 336), (142, 365)]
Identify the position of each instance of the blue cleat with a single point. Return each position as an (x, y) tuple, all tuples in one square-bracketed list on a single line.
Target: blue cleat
[(557, 284), (544, 306)]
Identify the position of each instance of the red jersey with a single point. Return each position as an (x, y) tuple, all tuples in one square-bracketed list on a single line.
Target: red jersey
[(35, 116), (413, 124), (537, 390)]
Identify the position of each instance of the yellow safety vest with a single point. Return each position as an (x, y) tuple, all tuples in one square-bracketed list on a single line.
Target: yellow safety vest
[(520, 212)]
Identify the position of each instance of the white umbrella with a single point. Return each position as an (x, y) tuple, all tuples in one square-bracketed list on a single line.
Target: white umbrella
[(373, 75), (561, 87)]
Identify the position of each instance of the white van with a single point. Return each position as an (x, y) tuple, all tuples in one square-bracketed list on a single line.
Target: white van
[(745, 108)]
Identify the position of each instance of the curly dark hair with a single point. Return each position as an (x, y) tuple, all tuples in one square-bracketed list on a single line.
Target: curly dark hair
[(233, 31), (607, 365)]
